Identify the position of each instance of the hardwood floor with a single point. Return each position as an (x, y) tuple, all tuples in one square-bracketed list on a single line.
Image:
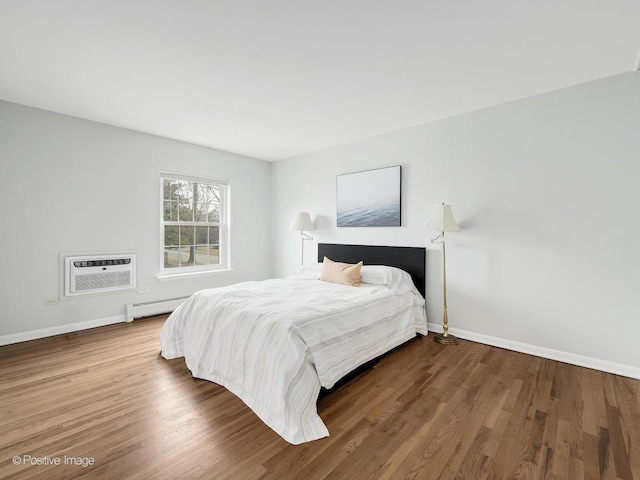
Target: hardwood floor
[(107, 398)]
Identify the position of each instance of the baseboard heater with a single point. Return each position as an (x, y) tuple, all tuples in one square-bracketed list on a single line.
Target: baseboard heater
[(156, 307)]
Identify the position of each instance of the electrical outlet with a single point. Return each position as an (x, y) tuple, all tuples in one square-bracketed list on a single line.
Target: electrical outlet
[(143, 289), (51, 301)]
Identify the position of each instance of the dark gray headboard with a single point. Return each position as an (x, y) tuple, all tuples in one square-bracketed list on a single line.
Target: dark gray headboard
[(409, 259)]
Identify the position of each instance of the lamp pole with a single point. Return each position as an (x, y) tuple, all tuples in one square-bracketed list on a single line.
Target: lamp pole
[(444, 337)]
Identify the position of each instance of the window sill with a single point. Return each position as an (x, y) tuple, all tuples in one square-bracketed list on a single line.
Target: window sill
[(177, 276)]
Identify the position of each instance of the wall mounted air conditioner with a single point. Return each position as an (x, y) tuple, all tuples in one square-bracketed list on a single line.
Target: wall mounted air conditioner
[(99, 273)]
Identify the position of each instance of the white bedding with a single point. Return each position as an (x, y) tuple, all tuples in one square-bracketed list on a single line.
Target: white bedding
[(275, 343)]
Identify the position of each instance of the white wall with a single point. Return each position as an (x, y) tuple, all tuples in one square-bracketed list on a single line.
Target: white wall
[(547, 193), (70, 185)]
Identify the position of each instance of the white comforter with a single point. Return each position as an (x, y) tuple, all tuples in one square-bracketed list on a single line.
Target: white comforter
[(274, 343)]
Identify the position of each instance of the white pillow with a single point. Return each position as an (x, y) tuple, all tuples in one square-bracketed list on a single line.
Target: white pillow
[(376, 274), (313, 269), (393, 278)]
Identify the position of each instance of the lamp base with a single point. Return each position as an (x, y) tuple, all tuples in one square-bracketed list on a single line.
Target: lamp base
[(448, 340)]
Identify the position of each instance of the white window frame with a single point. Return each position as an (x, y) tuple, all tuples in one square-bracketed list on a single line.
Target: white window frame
[(223, 224)]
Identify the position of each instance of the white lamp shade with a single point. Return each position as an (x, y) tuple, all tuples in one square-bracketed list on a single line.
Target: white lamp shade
[(442, 219), (301, 221)]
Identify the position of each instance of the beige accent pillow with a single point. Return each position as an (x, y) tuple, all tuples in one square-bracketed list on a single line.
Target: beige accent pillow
[(344, 273)]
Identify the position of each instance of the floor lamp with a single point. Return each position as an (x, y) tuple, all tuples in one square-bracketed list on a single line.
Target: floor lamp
[(442, 220), (302, 221)]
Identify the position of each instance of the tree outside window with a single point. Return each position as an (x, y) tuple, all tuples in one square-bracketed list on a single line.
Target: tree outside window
[(193, 222)]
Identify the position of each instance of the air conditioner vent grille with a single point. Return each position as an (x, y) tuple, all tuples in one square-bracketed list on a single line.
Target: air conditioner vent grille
[(98, 281), (99, 273)]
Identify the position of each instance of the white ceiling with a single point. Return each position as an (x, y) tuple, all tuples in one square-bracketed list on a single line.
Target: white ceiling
[(278, 78)]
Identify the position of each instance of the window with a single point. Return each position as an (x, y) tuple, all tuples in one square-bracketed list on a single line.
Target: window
[(194, 223)]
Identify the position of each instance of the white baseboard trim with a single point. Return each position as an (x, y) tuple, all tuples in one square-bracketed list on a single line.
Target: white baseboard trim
[(60, 330), (560, 356)]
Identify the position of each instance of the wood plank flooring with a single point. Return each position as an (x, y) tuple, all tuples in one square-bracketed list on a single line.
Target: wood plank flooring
[(106, 403)]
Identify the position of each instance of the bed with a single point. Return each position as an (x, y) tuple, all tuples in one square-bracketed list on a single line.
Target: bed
[(276, 343)]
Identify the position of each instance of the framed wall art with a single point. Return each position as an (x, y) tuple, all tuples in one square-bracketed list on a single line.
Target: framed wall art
[(370, 198)]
